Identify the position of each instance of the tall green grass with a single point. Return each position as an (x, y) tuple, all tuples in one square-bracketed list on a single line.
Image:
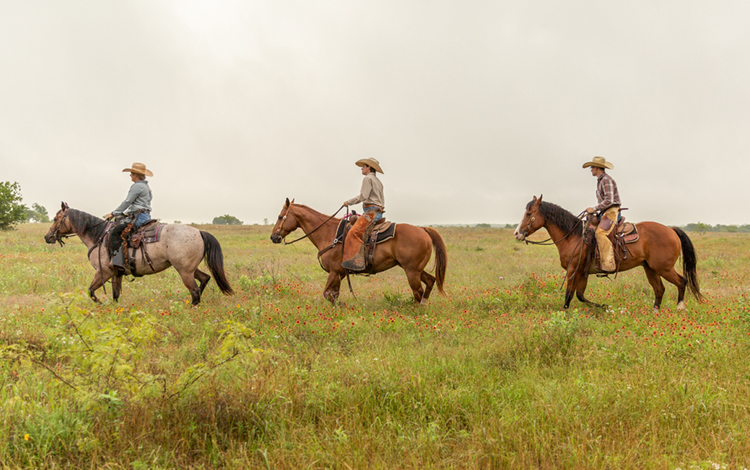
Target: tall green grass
[(492, 375)]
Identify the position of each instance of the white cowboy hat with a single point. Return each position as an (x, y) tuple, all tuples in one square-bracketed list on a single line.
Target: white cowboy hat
[(371, 162), (599, 162), (139, 168)]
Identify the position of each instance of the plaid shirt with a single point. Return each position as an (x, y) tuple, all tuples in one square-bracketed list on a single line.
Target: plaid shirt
[(606, 193)]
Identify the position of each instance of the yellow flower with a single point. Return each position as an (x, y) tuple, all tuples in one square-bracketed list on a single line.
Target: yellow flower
[(27, 437)]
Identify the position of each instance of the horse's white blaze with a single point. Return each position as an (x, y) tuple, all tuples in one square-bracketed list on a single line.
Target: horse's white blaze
[(517, 233)]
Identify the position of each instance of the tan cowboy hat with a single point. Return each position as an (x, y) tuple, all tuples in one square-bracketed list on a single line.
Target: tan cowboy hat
[(371, 162), (599, 162), (139, 168)]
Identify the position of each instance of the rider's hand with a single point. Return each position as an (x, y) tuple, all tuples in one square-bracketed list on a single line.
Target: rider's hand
[(590, 210), (108, 216)]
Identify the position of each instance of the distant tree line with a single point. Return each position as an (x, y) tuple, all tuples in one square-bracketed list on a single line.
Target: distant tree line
[(700, 227), (227, 220), (13, 212)]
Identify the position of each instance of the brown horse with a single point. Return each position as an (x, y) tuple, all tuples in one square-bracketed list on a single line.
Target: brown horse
[(181, 246), (410, 248), (657, 250)]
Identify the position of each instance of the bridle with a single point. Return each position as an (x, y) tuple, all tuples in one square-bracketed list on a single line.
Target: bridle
[(549, 241), (56, 232), (283, 219)]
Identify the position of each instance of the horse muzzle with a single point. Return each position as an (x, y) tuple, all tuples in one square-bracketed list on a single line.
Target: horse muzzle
[(50, 239), (520, 234), (276, 237)]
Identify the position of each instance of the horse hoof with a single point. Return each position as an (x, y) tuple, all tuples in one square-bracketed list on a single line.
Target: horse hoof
[(680, 306), (423, 302)]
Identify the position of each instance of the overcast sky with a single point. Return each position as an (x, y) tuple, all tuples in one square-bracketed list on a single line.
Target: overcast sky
[(472, 107)]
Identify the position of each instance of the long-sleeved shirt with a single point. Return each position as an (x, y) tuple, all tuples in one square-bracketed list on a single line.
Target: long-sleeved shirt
[(606, 192), (139, 198), (371, 192)]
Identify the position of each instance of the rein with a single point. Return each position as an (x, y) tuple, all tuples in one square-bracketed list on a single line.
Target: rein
[(312, 231), (553, 242)]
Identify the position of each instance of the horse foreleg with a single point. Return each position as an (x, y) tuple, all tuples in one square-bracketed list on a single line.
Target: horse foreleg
[(202, 278), (415, 282), (583, 281), (116, 287), (333, 287), (429, 282), (655, 280), (570, 285), (188, 278), (96, 283)]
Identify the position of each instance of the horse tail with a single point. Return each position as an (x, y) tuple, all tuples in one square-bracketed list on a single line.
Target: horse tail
[(215, 261), (441, 257), (689, 263)]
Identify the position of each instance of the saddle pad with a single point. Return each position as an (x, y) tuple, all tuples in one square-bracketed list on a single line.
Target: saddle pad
[(385, 231), (152, 233)]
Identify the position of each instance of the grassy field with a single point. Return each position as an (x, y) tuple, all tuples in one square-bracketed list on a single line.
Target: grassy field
[(492, 375)]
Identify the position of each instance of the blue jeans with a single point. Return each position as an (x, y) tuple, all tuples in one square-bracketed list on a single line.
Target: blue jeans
[(379, 214), (142, 218)]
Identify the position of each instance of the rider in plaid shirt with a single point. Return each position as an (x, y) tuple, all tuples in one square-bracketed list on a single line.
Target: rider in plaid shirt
[(608, 206)]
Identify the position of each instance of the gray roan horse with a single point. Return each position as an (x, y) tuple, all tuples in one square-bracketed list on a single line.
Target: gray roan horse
[(181, 246)]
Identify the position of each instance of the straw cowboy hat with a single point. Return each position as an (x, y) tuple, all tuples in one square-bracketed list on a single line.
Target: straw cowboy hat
[(599, 162), (371, 162), (139, 168)]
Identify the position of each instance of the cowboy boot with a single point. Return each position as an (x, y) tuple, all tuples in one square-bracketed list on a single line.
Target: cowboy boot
[(354, 245)]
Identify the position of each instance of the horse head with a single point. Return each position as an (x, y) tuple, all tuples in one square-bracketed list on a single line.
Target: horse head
[(285, 224), (60, 226), (532, 220)]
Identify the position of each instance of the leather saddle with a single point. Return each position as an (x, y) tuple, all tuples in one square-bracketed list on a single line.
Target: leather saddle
[(149, 232), (382, 231), (624, 234)]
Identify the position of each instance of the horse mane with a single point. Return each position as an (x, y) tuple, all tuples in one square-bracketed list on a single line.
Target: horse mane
[(308, 208), (87, 224), (560, 217)]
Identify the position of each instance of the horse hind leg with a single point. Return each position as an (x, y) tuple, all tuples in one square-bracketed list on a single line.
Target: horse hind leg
[(415, 282), (655, 280), (681, 283), (188, 278), (429, 282), (203, 279)]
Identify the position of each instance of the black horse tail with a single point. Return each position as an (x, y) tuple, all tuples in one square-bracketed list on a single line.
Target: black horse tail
[(689, 263), (441, 257), (215, 261)]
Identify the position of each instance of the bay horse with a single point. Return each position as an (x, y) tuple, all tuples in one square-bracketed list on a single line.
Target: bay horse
[(411, 248), (181, 246), (657, 250)]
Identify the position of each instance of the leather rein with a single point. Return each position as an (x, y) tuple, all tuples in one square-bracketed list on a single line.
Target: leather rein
[(312, 231), (549, 241)]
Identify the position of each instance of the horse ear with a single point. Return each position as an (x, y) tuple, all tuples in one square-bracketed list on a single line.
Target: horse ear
[(287, 203), (292, 201), (64, 205), (540, 198)]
